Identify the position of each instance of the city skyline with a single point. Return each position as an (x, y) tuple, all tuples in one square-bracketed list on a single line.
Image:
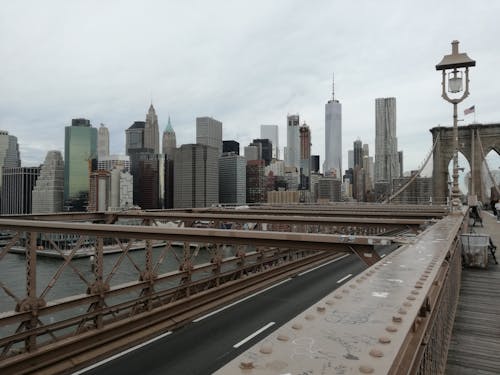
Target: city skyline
[(262, 69)]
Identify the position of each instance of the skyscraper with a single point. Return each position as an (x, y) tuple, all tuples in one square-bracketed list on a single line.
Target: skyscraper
[(17, 184), (266, 148), (151, 132), (134, 137), (232, 179), (9, 152), (102, 142), (333, 137), (386, 143), (271, 132), (358, 153), (292, 141), (196, 176), (48, 193), (80, 148), (231, 146), (305, 156), (209, 132), (169, 142)]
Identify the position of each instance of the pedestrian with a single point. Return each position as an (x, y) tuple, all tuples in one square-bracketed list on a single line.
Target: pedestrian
[(497, 207)]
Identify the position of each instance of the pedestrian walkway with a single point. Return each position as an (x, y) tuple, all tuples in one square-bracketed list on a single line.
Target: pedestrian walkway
[(475, 341)]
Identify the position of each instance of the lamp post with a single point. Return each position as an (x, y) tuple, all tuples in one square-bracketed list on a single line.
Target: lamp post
[(455, 66)]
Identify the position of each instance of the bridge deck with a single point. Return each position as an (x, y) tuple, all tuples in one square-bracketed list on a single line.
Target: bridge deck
[(475, 342)]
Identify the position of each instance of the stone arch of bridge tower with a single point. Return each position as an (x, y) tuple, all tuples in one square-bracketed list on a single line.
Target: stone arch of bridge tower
[(468, 145)]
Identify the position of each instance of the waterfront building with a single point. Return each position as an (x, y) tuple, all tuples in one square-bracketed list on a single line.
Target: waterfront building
[(271, 132), (80, 149), (232, 179), (17, 185), (9, 152), (48, 192), (196, 176), (209, 132), (333, 137)]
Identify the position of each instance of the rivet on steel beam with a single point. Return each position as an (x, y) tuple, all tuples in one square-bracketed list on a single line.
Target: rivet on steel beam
[(397, 319), (365, 369), (376, 353), (402, 311), (266, 348), (391, 329), (384, 340), (411, 298), (329, 302), (415, 292), (246, 365), (338, 296), (283, 337), (359, 280), (297, 326), (418, 286), (309, 317), (407, 304), (345, 291), (321, 309)]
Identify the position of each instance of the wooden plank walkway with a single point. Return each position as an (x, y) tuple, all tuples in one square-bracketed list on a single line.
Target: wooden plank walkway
[(475, 341)]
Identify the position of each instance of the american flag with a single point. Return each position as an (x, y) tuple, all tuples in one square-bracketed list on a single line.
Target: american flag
[(469, 110)]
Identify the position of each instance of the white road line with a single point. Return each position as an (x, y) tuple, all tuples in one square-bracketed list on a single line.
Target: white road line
[(240, 300), (121, 354), (344, 278), (383, 255), (236, 346), (322, 265)]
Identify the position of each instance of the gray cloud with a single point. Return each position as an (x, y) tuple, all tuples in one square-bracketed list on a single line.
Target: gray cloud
[(245, 63)]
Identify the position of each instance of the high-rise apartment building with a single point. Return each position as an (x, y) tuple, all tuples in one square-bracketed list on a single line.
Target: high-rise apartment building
[(196, 176), (292, 141), (9, 152), (333, 137), (151, 132), (271, 132), (386, 143), (102, 142), (48, 192), (17, 184), (209, 132), (80, 148), (169, 142), (232, 179)]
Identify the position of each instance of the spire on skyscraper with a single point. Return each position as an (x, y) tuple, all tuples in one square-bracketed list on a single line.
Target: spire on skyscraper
[(333, 86), (168, 127)]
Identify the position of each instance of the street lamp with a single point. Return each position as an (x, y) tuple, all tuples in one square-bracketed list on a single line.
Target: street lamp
[(455, 66)]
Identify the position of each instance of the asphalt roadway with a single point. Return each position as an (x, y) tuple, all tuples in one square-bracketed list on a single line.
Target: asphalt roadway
[(209, 342)]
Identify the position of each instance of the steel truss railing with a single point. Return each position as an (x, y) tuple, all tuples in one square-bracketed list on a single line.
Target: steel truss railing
[(105, 315), (393, 318)]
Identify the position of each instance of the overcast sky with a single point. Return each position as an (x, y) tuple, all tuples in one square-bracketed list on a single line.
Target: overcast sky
[(244, 63)]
